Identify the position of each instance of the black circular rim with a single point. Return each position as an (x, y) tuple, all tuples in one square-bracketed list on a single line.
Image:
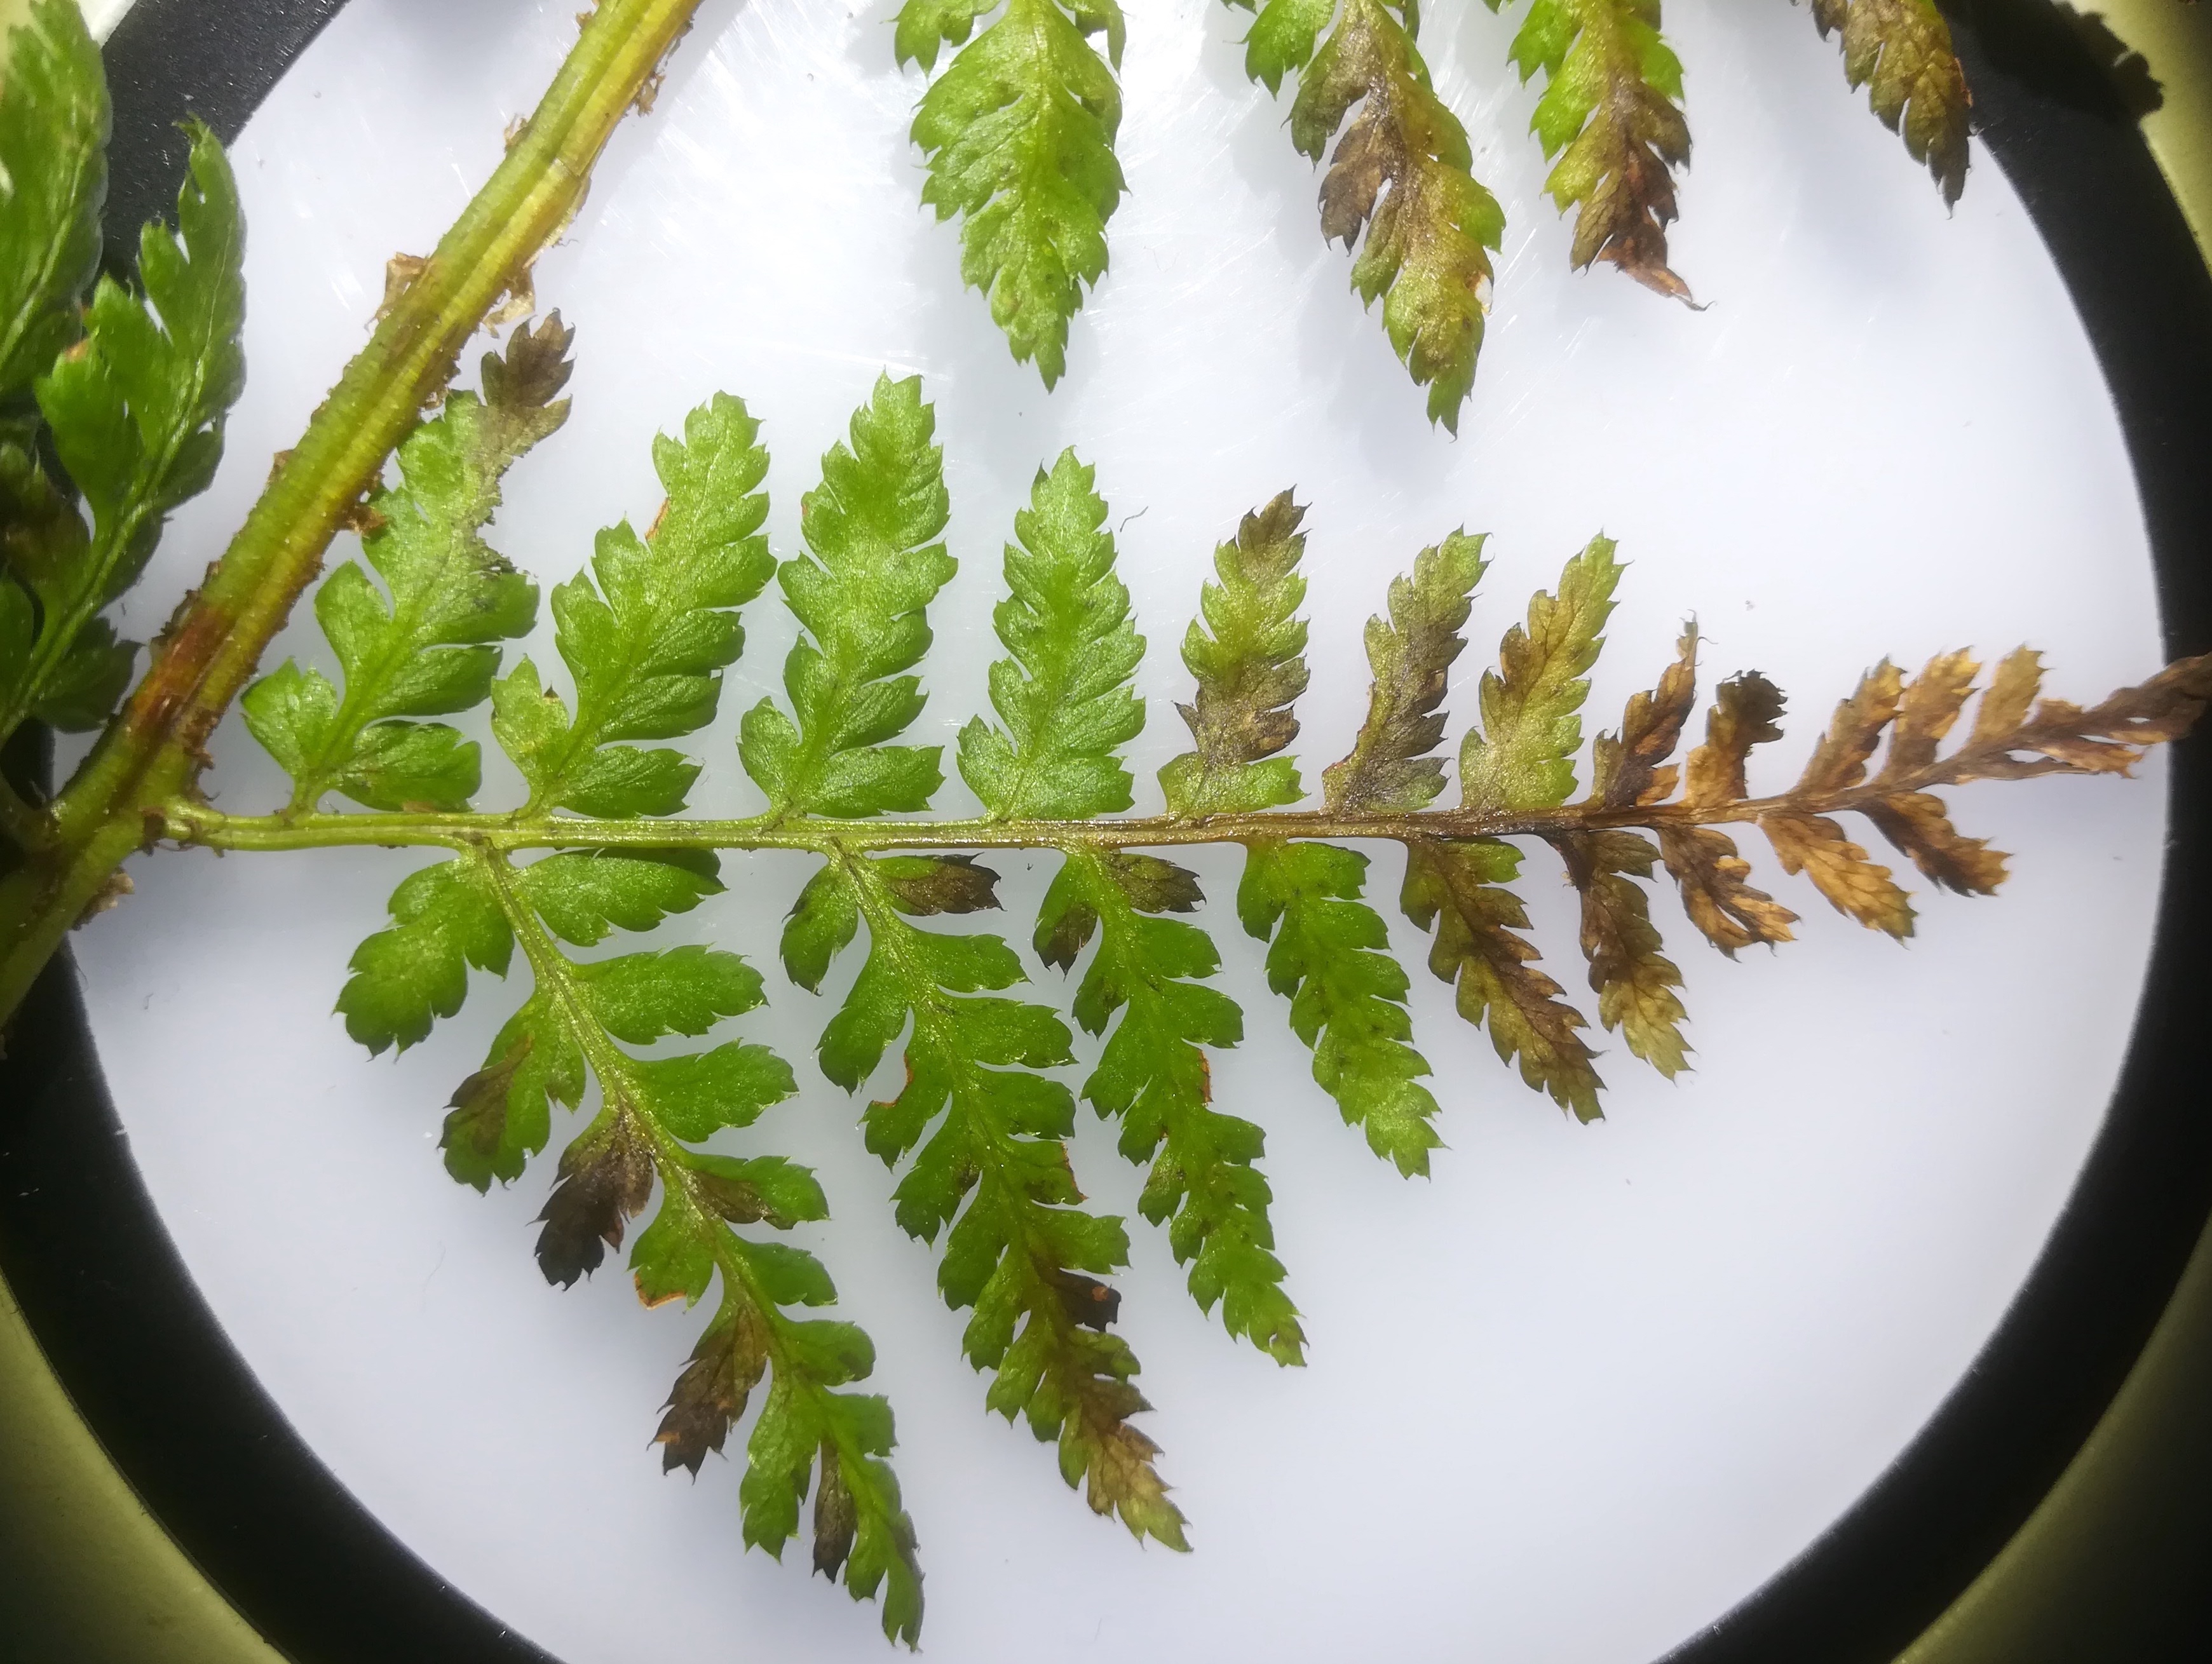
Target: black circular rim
[(155, 1377)]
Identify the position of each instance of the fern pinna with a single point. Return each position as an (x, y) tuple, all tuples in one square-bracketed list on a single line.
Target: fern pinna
[(1018, 130), (977, 1127)]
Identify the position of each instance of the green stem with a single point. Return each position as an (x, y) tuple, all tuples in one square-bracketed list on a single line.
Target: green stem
[(153, 753)]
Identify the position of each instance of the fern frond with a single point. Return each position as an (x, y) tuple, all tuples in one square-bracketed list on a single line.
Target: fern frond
[(652, 1112), (646, 644), (1066, 699), (1900, 51), (994, 1177), (429, 651), (979, 1128), (1019, 133), (1611, 113)]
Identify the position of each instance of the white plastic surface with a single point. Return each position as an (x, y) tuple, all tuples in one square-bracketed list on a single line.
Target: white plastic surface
[(1586, 1390)]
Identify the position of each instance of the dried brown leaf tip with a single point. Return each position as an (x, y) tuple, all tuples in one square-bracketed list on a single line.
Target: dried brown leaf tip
[(1611, 113), (2014, 737), (534, 369), (606, 1179), (1401, 173), (1631, 766), (1727, 909), (519, 300), (1900, 51), (476, 1125), (710, 1394), (1517, 771), (924, 885)]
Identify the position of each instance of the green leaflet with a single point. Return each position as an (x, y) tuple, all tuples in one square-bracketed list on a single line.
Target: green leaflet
[(53, 159), (1900, 51), (1522, 755), (428, 652), (1458, 891), (135, 412), (647, 643), (446, 918), (1390, 769), (1429, 236), (1330, 955), (872, 528), (584, 894), (1153, 1077), (1249, 669), (1282, 36), (995, 1171), (1612, 103), (1019, 133), (1065, 694)]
